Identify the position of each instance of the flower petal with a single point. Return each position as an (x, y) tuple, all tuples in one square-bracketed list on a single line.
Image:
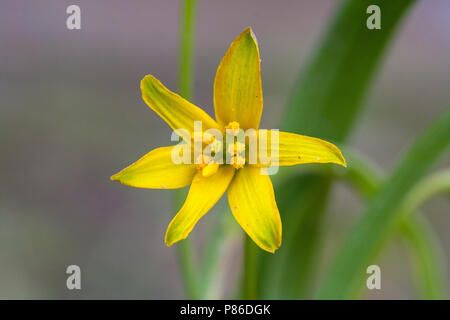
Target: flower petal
[(252, 202), (297, 149), (203, 194), (237, 87), (176, 111), (156, 170)]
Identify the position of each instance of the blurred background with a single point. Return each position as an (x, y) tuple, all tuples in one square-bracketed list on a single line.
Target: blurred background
[(71, 116)]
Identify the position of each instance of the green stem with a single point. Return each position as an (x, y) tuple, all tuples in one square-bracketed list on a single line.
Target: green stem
[(362, 175), (186, 53), (347, 271), (188, 270), (186, 56), (429, 262), (366, 178), (426, 189), (292, 270), (324, 103), (250, 270), (211, 261), (185, 255)]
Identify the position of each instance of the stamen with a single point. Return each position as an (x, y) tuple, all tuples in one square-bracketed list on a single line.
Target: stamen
[(233, 128), (236, 148), (231, 149), (238, 162), (240, 147), (216, 146), (208, 138), (202, 161), (210, 169)]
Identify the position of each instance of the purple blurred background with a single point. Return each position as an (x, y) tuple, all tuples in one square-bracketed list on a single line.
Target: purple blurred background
[(72, 115)]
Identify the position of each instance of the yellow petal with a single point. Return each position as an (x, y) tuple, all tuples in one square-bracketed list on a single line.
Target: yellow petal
[(156, 170), (253, 205), (237, 87), (203, 194), (297, 149), (176, 111)]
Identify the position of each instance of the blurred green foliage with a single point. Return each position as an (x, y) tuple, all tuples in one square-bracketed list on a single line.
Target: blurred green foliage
[(345, 276), (324, 103)]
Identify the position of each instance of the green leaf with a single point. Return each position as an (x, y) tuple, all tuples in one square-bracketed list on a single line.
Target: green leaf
[(185, 253), (286, 274), (428, 259), (346, 274), (328, 95), (324, 103)]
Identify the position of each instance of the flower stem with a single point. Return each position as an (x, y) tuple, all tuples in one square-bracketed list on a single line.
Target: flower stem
[(213, 255), (187, 266), (333, 67), (347, 271), (427, 253), (186, 53), (428, 258), (250, 270)]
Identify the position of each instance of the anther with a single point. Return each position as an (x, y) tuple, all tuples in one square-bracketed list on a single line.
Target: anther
[(202, 161), (233, 128), (238, 162), (236, 148), (210, 169)]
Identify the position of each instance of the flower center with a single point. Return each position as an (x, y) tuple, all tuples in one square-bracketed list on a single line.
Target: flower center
[(237, 149), (233, 128), (234, 153), (237, 153)]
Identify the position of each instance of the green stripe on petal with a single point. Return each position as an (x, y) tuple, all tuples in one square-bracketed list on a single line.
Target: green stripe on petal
[(176, 111), (252, 202), (296, 149), (237, 86)]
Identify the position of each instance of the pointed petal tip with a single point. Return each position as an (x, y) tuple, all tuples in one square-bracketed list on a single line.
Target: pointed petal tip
[(271, 250), (243, 101), (118, 177), (169, 241), (147, 78), (168, 244), (277, 246), (250, 32), (267, 246), (343, 162), (115, 177)]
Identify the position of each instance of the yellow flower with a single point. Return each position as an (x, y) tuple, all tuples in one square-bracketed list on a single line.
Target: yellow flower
[(238, 104)]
